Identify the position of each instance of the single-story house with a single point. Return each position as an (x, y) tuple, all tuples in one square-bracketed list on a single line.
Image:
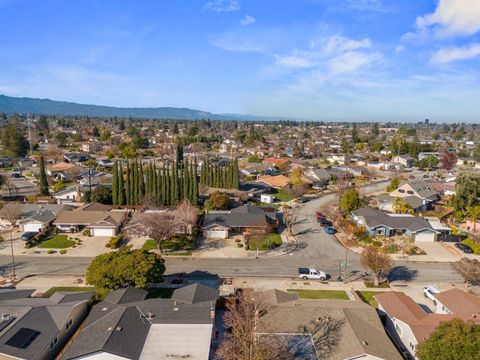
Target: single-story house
[(127, 325), (5, 162), (99, 222), (246, 219), (408, 324), (76, 158), (276, 161), (356, 327), (135, 223), (33, 217), (38, 328), (319, 177), (253, 169), (276, 181), (377, 222)]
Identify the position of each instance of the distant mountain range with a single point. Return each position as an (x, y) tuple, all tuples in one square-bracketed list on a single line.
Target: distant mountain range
[(9, 104)]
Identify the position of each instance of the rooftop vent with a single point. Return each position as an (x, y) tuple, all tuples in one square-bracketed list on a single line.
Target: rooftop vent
[(118, 328), (364, 343), (150, 316), (104, 308), (176, 309)]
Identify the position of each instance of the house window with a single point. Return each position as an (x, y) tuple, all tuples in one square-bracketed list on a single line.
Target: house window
[(398, 329), (401, 191), (69, 323), (53, 343), (412, 346), (410, 192)]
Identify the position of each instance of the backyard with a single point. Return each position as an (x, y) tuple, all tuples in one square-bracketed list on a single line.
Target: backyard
[(320, 294), (284, 195)]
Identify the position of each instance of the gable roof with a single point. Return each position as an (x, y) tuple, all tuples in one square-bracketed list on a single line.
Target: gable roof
[(276, 181), (126, 295), (463, 304), (242, 216), (38, 212), (195, 293), (91, 218), (422, 188)]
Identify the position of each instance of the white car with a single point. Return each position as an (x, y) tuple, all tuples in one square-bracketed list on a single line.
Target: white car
[(430, 291), (310, 273)]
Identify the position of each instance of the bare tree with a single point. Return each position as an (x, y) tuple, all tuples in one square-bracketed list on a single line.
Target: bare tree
[(289, 219), (379, 264), (242, 341), (186, 213), (7, 184), (469, 269), (12, 212), (159, 226), (332, 212), (325, 333)]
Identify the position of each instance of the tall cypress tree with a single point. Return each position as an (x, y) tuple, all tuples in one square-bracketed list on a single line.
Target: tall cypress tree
[(180, 156), (42, 178), (174, 189), (128, 187), (195, 184), (235, 174), (121, 187), (115, 183), (141, 182)]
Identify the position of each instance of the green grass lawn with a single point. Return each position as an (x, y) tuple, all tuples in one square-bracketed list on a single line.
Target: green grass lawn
[(284, 195), (99, 293), (320, 294), (367, 296), (269, 241), (57, 242), (150, 244)]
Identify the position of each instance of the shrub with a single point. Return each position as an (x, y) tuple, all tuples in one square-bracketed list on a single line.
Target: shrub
[(474, 244), (1, 239), (239, 245), (115, 241), (51, 251), (63, 251), (377, 243), (86, 232)]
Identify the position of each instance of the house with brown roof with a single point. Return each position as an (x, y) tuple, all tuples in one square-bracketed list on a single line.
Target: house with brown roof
[(276, 161), (95, 217), (408, 324), (276, 181)]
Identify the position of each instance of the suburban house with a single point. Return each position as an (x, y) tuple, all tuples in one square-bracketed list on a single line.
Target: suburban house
[(359, 332), (404, 160), (127, 325), (246, 219), (276, 181), (407, 322), (319, 177), (181, 227), (254, 169), (33, 217), (59, 170), (39, 328), (76, 158), (419, 194), (424, 155), (279, 162), (377, 222), (98, 218)]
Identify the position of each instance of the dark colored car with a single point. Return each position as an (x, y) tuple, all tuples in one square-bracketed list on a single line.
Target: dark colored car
[(302, 199), (464, 247), (27, 236), (330, 230), (325, 222)]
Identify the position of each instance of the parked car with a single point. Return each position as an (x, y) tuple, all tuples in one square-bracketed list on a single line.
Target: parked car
[(319, 215), (330, 230), (325, 222), (302, 199), (312, 274), (27, 236), (464, 247), (430, 291)]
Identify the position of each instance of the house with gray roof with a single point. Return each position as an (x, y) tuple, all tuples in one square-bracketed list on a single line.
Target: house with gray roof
[(354, 328), (127, 325), (245, 219), (33, 217), (379, 223), (39, 328), (419, 194)]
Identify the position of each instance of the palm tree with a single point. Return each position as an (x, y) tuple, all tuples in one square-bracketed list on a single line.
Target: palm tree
[(474, 213), (400, 206)]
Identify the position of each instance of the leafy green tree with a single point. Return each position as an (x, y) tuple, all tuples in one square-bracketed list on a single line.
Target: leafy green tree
[(452, 340), (394, 183), (125, 267), (217, 201), (42, 178), (61, 138), (101, 195), (428, 162), (467, 191), (350, 201), (13, 140)]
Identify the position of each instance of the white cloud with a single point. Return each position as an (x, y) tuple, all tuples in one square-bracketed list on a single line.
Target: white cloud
[(452, 17), (222, 5), (448, 55), (352, 61), (293, 61), (399, 49), (339, 43), (247, 20)]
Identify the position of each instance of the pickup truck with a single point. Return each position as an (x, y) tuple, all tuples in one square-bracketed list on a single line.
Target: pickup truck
[(312, 274)]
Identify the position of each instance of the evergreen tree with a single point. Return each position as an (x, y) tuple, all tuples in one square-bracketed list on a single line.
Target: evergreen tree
[(195, 184), (174, 189), (42, 178), (141, 181), (180, 155), (121, 187), (115, 183), (235, 175)]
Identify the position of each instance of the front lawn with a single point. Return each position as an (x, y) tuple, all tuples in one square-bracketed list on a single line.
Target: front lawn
[(57, 242), (284, 195), (264, 242), (367, 296), (150, 244), (179, 243), (320, 294)]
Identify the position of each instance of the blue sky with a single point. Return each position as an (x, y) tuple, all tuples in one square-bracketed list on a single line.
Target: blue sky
[(351, 60)]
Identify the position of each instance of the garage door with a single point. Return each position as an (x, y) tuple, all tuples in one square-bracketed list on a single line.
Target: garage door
[(103, 232), (32, 227), (217, 234), (425, 236)]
